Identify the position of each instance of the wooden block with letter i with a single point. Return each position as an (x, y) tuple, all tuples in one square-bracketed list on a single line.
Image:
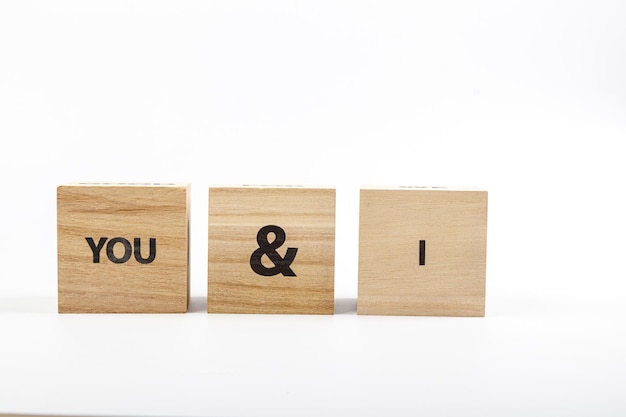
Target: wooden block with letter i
[(123, 248), (271, 250), (422, 251)]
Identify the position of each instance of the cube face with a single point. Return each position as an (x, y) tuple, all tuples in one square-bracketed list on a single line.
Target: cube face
[(123, 248), (422, 251), (271, 250)]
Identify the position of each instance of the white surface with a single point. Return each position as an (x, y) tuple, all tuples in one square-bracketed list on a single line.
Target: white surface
[(529, 356), (525, 99)]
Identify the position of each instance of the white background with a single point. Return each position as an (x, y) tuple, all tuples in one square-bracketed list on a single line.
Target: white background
[(524, 98)]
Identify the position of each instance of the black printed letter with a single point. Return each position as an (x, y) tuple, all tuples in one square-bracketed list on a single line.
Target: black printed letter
[(96, 249), (128, 250), (150, 258)]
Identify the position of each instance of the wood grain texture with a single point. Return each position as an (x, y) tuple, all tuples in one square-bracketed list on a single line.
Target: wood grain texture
[(236, 214), (129, 211), (453, 224)]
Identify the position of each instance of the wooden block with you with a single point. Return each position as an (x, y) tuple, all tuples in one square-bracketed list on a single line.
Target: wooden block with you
[(422, 251), (123, 248), (271, 250)]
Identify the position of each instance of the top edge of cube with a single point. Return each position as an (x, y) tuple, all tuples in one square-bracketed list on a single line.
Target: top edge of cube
[(274, 187), (420, 188), (125, 184)]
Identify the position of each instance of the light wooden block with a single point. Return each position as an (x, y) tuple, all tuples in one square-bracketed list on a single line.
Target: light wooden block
[(307, 218), (422, 251), (106, 260)]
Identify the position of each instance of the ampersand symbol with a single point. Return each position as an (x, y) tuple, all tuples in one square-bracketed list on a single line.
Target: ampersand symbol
[(281, 265)]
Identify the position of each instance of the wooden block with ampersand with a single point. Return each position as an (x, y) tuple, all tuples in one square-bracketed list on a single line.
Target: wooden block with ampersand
[(271, 250)]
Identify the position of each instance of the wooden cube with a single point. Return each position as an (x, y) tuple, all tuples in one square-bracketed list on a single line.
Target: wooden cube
[(123, 248), (422, 251), (271, 250)]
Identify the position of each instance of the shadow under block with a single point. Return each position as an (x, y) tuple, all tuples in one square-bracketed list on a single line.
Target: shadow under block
[(422, 251), (123, 248), (248, 223)]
